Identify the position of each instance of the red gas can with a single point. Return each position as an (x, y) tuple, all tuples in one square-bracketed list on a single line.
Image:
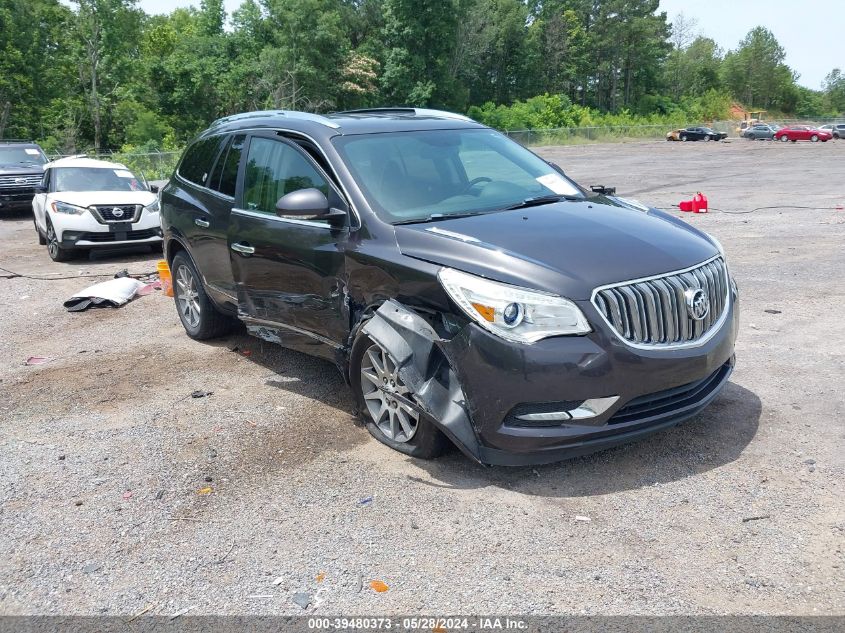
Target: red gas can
[(699, 203)]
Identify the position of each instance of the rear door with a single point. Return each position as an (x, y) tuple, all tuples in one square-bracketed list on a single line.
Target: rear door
[(289, 272), (204, 199), (39, 202)]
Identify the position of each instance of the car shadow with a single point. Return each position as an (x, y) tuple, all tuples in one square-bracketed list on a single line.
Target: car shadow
[(291, 371), (9, 215), (714, 438)]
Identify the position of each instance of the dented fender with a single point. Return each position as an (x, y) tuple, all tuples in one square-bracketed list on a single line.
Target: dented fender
[(423, 365)]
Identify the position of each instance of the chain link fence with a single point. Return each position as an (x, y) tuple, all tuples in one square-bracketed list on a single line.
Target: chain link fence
[(160, 165), (153, 165), (620, 133)]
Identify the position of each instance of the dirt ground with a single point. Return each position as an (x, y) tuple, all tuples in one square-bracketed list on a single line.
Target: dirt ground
[(104, 454)]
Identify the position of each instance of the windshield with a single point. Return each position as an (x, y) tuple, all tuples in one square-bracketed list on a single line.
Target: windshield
[(22, 156), (95, 179), (409, 176)]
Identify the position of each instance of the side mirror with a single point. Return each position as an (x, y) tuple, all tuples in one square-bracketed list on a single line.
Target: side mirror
[(307, 204), (40, 188), (153, 188)]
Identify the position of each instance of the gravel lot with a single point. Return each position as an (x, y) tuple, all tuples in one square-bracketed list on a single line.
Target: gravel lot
[(288, 467)]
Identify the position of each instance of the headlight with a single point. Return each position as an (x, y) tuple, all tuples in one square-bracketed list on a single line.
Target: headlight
[(64, 207), (153, 207), (516, 314)]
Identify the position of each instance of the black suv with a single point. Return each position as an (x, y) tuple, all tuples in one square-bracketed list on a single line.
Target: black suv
[(21, 171), (466, 288)]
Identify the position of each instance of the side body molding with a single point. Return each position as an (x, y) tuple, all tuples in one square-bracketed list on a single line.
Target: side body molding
[(417, 349)]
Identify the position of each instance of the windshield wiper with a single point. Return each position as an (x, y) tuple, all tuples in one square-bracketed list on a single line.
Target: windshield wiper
[(435, 217), (536, 201)]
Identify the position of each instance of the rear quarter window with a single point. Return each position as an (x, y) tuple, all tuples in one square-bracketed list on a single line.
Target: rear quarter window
[(198, 160)]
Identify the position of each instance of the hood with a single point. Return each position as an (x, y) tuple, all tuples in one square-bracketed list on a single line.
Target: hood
[(88, 198), (20, 168), (568, 248)]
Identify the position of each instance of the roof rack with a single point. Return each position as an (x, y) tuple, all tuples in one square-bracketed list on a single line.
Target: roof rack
[(17, 140), (443, 114), (292, 114)]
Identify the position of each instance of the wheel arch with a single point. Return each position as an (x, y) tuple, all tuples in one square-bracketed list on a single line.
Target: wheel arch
[(425, 367)]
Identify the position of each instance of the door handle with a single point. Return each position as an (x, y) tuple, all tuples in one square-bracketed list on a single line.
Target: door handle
[(243, 249), (203, 223)]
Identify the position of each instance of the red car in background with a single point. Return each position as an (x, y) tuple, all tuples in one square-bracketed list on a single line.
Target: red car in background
[(802, 133)]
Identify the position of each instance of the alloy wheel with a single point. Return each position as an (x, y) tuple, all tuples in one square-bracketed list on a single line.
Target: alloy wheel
[(52, 241), (380, 384), (188, 296)]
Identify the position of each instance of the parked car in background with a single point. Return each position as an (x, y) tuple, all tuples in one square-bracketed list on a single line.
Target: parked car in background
[(761, 131), (465, 287), (695, 134), (836, 130), (21, 171), (84, 204), (802, 133)]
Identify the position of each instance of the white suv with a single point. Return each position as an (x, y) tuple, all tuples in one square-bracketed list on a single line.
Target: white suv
[(84, 203)]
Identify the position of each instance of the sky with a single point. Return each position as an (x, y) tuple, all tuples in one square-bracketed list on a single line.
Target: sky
[(810, 31)]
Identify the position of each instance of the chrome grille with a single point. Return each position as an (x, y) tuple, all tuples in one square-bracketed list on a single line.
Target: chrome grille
[(106, 212), (20, 181), (653, 312)]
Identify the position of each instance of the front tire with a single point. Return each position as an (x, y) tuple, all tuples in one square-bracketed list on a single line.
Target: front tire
[(684, 138), (374, 377), (54, 248), (200, 317), (706, 137)]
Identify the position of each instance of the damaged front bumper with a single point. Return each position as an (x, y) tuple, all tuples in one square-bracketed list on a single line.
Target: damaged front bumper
[(507, 403)]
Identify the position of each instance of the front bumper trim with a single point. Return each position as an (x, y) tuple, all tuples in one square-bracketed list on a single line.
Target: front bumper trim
[(591, 408)]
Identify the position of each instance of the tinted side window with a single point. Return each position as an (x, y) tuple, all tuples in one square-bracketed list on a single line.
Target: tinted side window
[(214, 179), (197, 160), (273, 169), (229, 176)]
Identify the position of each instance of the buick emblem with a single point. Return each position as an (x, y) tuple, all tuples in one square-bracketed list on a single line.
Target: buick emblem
[(698, 303), (117, 212)]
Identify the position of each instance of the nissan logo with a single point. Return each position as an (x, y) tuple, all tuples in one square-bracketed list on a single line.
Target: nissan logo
[(698, 303), (117, 212)]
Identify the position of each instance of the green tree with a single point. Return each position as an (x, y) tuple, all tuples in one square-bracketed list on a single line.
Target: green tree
[(36, 68), (834, 89), (106, 34), (756, 74), (420, 38)]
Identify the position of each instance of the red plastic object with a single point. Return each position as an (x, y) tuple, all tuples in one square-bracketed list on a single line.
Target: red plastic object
[(698, 204)]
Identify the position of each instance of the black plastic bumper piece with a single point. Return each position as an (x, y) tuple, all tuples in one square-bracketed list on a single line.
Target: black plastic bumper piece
[(673, 412)]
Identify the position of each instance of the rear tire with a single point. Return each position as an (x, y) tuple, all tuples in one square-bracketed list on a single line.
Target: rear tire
[(200, 317), (42, 241), (706, 137), (814, 138), (395, 421)]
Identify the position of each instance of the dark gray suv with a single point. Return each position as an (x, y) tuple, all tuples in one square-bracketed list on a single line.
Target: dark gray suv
[(21, 171), (467, 289)]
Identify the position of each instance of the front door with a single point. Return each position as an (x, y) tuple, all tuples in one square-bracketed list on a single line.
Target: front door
[(289, 273)]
